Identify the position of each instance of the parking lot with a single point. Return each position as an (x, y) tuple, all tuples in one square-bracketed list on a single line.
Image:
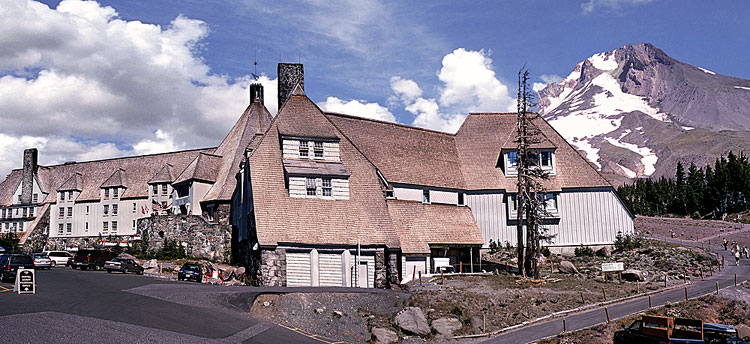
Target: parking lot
[(72, 304)]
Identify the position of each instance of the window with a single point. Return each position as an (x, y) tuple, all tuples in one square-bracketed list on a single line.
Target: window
[(25, 212), (70, 211), (164, 189), (425, 196), (115, 192), (69, 228), (106, 209), (86, 226), (310, 182), (114, 209), (513, 159), (304, 149), (62, 212), (62, 196), (31, 211), (106, 192), (87, 210), (105, 226), (19, 198), (70, 195), (461, 198), (550, 202), (133, 224), (155, 189), (15, 226), (327, 188), (4, 213), (134, 207), (318, 149), (114, 226), (60, 229), (545, 159), (35, 198)]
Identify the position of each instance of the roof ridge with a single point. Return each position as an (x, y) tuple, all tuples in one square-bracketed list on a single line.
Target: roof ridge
[(405, 126), (124, 157)]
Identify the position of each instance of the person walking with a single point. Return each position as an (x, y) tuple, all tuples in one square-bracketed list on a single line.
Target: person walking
[(737, 257), (747, 253), (725, 243)]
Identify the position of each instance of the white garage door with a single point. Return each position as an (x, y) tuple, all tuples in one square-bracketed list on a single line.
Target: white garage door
[(330, 267), (298, 272)]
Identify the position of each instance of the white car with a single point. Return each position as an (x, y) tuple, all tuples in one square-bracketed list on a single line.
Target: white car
[(58, 257)]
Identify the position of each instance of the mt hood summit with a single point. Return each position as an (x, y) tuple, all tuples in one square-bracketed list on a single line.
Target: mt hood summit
[(635, 112)]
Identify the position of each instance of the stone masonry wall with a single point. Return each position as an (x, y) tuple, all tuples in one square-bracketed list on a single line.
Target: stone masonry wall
[(39, 234), (199, 237), (392, 272), (273, 268), (380, 270), (60, 244)]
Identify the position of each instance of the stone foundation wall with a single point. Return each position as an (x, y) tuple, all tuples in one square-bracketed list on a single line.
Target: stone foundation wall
[(381, 280), (199, 237), (39, 234), (223, 213), (272, 270), (392, 268), (60, 244)]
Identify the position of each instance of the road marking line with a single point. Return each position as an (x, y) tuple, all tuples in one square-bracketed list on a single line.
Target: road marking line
[(311, 335)]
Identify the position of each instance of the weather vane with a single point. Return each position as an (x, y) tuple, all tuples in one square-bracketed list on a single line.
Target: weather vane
[(255, 66)]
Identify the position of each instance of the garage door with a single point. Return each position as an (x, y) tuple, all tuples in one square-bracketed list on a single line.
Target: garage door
[(330, 267), (298, 269)]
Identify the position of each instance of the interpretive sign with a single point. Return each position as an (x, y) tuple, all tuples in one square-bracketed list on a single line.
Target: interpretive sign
[(609, 267)]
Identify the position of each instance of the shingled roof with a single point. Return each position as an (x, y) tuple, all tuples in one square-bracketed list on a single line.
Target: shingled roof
[(163, 176), (253, 123), (116, 179), (203, 168), (282, 219), (420, 225), (73, 183)]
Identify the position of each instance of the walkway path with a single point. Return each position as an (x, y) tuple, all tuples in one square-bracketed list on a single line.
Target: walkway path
[(585, 319)]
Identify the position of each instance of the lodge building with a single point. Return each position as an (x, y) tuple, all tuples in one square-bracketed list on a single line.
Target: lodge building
[(314, 198)]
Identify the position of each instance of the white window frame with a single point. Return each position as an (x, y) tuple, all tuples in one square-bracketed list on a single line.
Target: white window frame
[(304, 149), (70, 211), (105, 226), (318, 148), (69, 228), (164, 189), (311, 184), (61, 213), (106, 210), (328, 188), (114, 209), (115, 192), (114, 226)]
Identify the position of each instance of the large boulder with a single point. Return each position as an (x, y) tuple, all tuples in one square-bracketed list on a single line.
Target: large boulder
[(384, 335), (633, 275), (238, 272), (742, 330), (604, 252), (125, 256), (567, 267), (446, 326), (412, 320)]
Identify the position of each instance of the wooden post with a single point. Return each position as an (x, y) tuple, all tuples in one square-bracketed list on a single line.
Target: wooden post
[(414, 273), (686, 294), (484, 322), (606, 311), (619, 275), (461, 267), (735, 280), (684, 277), (722, 261), (420, 278), (582, 300), (605, 277), (649, 301), (565, 326), (665, 280), (717, 287), (604, 293), (442, 277)]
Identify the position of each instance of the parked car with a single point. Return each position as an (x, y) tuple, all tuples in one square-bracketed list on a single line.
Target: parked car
[(2, 249), (658, 330), (91, 259), (190, 271), (41, 261), (9, 264), (123, 265), (58, 257)]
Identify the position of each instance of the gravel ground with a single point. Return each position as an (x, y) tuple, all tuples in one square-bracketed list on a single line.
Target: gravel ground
[(684, 228)]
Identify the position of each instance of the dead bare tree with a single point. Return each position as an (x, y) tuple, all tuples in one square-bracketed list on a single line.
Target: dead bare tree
[(530, 196)]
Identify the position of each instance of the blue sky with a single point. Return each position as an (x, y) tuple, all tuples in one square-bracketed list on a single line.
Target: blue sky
[(94, 80)]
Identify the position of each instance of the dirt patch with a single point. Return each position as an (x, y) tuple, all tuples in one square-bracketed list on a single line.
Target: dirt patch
[(342, 316), (684, 228), (728, 308)]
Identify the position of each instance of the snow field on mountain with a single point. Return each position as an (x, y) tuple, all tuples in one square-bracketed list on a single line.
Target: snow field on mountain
[(648, 156)]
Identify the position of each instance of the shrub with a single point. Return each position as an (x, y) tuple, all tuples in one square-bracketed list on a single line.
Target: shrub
[(9, 242), (695, 215), (493, 247), (546, 252), (627, 242), (584, 251), (508, 246), (171, 249), (457, 311)]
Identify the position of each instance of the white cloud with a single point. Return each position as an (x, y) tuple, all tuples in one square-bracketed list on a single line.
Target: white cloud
[(357, 108), (608, 5), (547, 79), (80, 82), (469, 85)]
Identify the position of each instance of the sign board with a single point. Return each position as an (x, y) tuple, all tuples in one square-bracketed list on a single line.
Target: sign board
[(25, 281), (609, 267)]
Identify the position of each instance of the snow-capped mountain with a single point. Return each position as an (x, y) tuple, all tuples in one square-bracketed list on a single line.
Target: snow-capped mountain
[(634, 112)]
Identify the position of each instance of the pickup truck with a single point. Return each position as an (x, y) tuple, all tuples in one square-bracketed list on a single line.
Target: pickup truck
[(91, 259), (668, 330)]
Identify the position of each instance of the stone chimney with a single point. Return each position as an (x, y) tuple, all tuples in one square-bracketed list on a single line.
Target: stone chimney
[(289, 76), (29, 170), (256, 93)]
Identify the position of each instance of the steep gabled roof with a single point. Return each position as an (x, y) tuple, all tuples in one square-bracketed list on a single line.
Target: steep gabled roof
[(282, 219), (304, 124), (74, 183), (163, 176), (8, 187), (116, 179), (203, 168), (253, 123)]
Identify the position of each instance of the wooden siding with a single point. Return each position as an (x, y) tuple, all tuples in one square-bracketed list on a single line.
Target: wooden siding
[(331, 269), (290, 150), (589, 217), (444, 197), (298, 269), (407, 194), (339, 188)]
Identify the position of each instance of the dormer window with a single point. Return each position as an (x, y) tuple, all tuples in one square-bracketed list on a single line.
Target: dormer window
[(155, 189), (115, 192), (318, 149), (35, 198), (70, 195), (304, 149), (327, 187), (106, 209), (164, 189), (542, 159), (310, 186), (106, 192), (62, 196)]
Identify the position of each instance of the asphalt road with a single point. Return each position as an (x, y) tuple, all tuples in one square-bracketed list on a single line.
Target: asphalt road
[(596, 316), (73, 306)]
